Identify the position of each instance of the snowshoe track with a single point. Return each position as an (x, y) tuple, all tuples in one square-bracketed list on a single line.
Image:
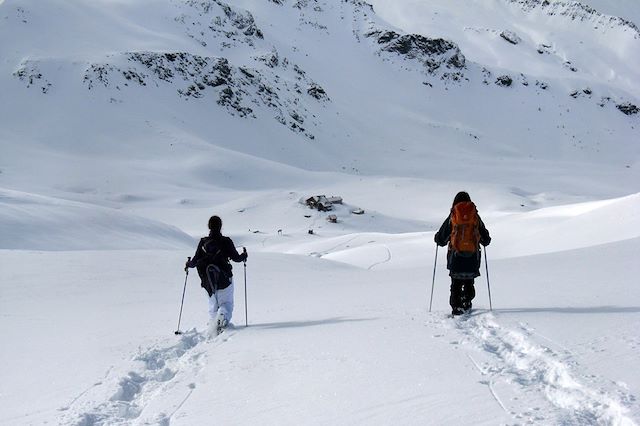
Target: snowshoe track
[(154, 371), (514, 362)]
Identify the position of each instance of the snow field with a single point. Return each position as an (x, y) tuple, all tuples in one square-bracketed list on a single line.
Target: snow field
[(335, 343)]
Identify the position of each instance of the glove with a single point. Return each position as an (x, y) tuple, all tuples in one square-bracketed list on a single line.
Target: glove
[(187, 265), (244, 254)]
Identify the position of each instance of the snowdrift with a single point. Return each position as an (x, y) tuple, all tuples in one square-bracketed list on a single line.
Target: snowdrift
[(35, 222)]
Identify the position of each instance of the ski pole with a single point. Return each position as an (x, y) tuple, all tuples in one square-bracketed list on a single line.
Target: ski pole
[(486, 266), (186, 270), (433, 280), (246, 315)]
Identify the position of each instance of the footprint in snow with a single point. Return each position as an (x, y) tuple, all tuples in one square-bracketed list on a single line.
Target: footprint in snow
[(160, 365), (539, 371)]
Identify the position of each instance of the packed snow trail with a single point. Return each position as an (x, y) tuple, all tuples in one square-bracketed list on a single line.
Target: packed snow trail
[(529, 382), (154, 371), (516, 361)]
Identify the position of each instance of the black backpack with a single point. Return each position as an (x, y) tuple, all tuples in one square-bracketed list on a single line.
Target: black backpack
[(213, 278)]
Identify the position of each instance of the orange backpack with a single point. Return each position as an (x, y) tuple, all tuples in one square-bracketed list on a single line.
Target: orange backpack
[(465, 232)]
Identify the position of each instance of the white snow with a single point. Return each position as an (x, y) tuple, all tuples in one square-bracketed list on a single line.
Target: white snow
[(106, 184)]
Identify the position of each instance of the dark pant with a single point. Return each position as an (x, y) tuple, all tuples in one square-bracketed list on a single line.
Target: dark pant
[(462, 293)]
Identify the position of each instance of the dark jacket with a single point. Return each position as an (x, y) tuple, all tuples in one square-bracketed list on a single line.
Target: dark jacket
[(215, 249), (460, 265)]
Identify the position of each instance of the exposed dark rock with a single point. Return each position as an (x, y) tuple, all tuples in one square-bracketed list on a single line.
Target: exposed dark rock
[(577, 11), (413, 45), (247, 73), (360, 4), (452, 76), (433, 53), (510, 36), (544, 48), (523, 79), (135, 77), (317, 92), (196, 72), (268, 95), (99, 73), (215, 21), (243, 21), (603, 101), (486, 76), (296, 117), (272, 59), (628, 108), (570, 66), (315, 25), (504, 80), (29, 73), (299, 71), (235, 88), (21, 15), (304, 4)]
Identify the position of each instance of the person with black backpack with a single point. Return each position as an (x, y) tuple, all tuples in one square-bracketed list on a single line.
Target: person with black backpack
[(464, 231), (212, 263)]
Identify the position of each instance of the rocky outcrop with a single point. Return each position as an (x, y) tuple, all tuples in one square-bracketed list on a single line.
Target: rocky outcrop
[(317, 92), (216, 22), (504, 81), (435, 54), (239, 89), (190, 75), (360, 4), (265, 84), (628, 108), (510, 36), (577, 11), (29, 73)]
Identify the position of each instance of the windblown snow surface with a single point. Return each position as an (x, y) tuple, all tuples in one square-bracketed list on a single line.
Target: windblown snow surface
[(125, 124)]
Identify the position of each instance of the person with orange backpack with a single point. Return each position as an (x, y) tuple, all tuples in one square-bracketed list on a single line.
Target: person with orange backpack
[(464, 231)]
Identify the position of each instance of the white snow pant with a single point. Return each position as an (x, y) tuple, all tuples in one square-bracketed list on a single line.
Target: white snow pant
[(222, 301)]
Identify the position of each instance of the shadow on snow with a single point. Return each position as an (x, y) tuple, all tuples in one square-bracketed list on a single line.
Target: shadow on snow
[(297, 324), (574, 310)]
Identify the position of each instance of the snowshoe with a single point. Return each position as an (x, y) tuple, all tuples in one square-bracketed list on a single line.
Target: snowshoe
[(221, 323), (457, 311)]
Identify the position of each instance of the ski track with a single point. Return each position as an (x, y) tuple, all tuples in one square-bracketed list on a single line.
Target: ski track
[(523, 366), (156, 371), (388, 259)]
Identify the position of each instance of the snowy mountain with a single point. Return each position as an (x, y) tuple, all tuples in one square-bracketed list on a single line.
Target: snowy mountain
[(125, 124)]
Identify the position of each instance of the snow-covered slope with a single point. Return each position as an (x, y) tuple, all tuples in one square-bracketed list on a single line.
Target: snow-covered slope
[(125, 124)]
